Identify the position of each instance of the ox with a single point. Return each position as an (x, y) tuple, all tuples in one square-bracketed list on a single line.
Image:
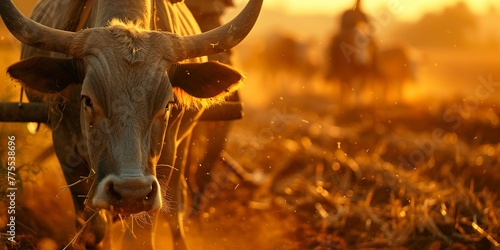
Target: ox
[(281, 58), (395, 66), (209, 136), (351, 53), (285, 55), (111, 86)]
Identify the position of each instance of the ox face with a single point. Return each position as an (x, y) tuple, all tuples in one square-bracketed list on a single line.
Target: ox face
[(127, 83), (126, 75)]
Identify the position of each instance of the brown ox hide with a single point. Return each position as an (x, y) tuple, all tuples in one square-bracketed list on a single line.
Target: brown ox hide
[(351, 55), (75, 117)]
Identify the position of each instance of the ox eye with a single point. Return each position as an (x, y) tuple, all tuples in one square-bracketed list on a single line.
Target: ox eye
[(167, 109), (87, 103), (169, 105)]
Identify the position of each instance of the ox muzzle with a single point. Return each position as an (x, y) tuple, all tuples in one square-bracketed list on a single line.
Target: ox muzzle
[(128, 194)]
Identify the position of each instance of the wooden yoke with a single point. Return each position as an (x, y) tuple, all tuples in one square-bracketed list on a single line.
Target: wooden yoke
[(39, 112), (24, 112)]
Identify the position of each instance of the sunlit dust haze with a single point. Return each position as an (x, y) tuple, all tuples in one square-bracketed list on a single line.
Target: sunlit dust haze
[(454, 42)]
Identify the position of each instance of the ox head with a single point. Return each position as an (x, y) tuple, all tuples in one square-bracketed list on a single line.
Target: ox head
[(128, 77)]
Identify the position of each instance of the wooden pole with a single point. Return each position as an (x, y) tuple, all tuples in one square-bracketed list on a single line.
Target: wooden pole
[(39, 112), (24, 112), (227, 111)]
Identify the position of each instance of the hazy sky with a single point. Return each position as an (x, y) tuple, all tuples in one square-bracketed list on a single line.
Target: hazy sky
[(402, 9)]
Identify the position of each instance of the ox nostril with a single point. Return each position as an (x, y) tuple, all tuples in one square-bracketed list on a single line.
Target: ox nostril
[(131, 189), (113, 193), (153, 192), (128, 194)]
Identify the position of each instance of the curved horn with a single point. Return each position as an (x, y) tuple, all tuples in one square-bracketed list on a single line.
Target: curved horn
[(224, 37), (32, 33), (358, 5)]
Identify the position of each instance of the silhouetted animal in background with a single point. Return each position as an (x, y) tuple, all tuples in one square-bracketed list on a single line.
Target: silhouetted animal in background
[(284, 59), (395, 66)]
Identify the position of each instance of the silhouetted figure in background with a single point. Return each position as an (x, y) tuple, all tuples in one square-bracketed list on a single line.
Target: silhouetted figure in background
[(351, 54)]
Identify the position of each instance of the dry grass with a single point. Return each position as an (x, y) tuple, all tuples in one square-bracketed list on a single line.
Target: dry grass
[(344, 179)]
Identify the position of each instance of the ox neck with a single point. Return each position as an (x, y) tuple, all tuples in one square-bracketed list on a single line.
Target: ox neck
[(137, 11)]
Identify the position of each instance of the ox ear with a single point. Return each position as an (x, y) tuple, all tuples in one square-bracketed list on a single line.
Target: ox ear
[(46, 74), (206, 80)]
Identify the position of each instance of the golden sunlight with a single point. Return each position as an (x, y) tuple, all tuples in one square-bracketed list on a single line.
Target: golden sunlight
[(356, 125), (405, 9)]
